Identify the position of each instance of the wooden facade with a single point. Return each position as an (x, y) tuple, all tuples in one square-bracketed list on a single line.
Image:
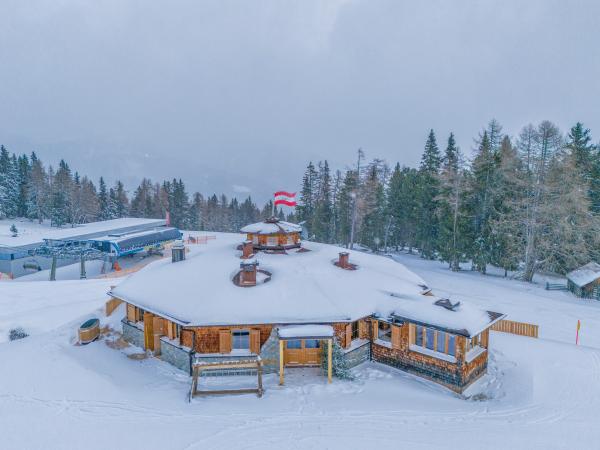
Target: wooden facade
[(279, 240), (445, 360)]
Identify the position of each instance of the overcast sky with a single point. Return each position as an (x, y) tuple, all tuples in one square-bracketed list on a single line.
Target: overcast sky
[(239, 96)]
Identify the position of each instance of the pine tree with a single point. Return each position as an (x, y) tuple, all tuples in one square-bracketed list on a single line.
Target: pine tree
[(62, 196), (427, 194), (37, 190), (505, 228), (323, 215), (586, 161), (373, 204), (306, 206), (480, 193), (121, 202), (453, 223), (103, 201), (345, 205), (9, 184)]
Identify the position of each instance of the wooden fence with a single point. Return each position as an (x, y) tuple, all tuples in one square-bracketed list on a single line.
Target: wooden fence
[(519, 328), (556, 287)]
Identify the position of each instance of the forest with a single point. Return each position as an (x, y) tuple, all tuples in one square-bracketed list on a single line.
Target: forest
[(524, 204)]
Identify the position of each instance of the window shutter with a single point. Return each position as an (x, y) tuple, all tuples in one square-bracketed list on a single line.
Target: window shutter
[(395, 336), (255, 341), (130, 312), (362, 329), (375, 329), (224, 341), (411, 333), (348, 335)]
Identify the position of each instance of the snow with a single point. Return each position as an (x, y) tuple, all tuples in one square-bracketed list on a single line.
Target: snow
[(33, 232), (271, 228), (585, 274), (474, 353), (46, 305), (305, 287), (466, 318), (302, 331), (538, 394)]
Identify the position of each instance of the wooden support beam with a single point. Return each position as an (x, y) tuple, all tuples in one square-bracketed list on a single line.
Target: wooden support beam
[(281, 343), (329, 362)]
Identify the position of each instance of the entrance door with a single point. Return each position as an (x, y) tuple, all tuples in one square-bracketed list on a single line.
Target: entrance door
[(302, 352)]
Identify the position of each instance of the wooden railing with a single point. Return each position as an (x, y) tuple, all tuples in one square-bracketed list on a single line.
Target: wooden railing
[(519, 328)]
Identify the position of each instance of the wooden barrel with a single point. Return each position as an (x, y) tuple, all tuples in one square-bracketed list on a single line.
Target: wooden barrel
[(89, 331)]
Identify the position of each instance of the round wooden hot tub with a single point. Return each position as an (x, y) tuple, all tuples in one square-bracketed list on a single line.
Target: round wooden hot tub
[(89, 331)]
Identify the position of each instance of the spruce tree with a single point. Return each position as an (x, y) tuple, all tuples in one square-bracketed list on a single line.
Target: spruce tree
[(322, 218), (103, 201), (586, 161), (453, 239), (427, 193), (306, 206), (480, 202)]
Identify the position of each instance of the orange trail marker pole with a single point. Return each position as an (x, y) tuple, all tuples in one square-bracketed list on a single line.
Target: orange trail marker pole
[(577, 334)]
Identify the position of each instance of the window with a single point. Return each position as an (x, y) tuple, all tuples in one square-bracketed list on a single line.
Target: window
[(355, 334), (240, 340), (141, 313), (294, 344), (432, 339), (177, 331), (384, 331), (272, 241), (312, 343), (430, 336)]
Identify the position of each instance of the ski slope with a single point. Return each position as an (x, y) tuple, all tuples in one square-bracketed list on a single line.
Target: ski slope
[(539, 394)]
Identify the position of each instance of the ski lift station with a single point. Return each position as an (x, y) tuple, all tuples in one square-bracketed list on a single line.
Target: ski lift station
[(30, 251)]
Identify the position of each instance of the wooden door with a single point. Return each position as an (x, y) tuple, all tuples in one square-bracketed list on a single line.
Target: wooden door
[(294, 353), (301, 352)]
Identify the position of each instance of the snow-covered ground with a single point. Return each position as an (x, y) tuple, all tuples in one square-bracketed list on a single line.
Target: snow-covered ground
[(556, 312), (539, 394)]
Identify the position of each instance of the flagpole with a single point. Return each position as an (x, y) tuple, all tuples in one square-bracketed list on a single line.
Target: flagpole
[(273, 208)]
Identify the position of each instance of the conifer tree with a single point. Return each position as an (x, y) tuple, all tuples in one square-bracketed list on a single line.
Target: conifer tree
[(306, 207), (322, 218), (103, 201), (453, 223), (37, 190), (480, 202), (586, 161), (427, 194)]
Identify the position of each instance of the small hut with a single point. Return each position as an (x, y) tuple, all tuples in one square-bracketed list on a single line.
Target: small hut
[(585, 281), (273, 234)]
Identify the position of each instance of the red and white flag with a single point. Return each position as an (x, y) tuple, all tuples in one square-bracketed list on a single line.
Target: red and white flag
[(285, 198)]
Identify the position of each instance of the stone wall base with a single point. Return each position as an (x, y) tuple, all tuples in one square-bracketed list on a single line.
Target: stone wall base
[(132, 334), (176, 355), (358, 355)]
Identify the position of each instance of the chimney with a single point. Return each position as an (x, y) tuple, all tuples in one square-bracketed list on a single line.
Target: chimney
[(248, 273), (247, 250), (343, 261), (178, 251)]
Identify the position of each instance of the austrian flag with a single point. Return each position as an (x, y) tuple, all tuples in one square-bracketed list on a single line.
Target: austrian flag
[(285, 198)]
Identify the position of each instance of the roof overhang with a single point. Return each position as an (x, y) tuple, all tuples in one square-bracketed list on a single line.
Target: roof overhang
[(306, 331)]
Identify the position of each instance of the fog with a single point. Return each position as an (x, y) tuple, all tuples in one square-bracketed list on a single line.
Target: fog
[(238, 96)]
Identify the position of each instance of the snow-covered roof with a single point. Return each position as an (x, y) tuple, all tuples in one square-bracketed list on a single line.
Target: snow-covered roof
[(272, 227), (585, 274), (305, 288), (305, 331), (34, 233)]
